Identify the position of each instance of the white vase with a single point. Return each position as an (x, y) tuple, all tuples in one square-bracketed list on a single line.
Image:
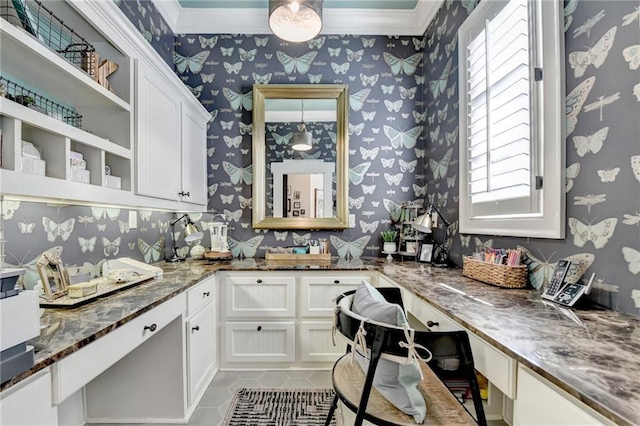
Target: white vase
[(389, 247)]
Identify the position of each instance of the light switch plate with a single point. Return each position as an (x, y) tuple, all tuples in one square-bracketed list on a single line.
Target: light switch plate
[(133, 220), (352, 221)]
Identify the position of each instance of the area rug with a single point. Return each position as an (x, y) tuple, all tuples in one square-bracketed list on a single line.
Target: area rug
[(281, 407)]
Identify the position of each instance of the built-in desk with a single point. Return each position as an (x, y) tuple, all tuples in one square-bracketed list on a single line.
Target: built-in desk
[(594, 360)]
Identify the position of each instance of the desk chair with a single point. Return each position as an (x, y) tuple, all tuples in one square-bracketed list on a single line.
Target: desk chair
[(354, 388)]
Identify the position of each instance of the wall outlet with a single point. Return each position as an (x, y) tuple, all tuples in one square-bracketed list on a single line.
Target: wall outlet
[(133, 220), (352, 221)]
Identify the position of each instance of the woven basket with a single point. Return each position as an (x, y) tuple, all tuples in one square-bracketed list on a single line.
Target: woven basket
[(491, 273)]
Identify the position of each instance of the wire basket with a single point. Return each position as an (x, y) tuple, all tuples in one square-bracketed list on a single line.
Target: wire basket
[(40, 22), (35, 101), (496, 274)]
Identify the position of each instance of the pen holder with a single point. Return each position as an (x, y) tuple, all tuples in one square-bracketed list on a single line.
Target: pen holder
[(496, 274)]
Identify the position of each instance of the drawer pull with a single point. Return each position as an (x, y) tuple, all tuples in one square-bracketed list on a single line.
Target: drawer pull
[(432, 324), (259, 281), (336, 281), (206, 293), (196, 328), (151, 327), (259, 327), (184, 194)]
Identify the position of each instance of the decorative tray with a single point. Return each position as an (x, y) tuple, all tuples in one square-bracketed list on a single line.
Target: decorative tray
[(104, 289), (291, 256)]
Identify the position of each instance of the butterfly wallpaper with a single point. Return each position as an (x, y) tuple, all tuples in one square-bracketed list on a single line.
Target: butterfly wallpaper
[(603, 150)]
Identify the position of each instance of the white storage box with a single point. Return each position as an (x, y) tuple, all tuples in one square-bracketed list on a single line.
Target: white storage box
[(77, 155), (34, 166), (112, 182), (80, 175), (80, 164)]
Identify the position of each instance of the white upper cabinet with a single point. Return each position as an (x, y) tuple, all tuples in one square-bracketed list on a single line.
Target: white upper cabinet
[(194, 157)]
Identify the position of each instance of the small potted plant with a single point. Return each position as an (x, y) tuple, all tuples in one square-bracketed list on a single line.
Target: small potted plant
[(389, 238)]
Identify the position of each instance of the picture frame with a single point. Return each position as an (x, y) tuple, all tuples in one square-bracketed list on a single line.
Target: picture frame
[(288, 204), (52, 275), (296, 213), (426, 253), (296, 195), (302, 211), (296, 204), (288, 190), (319, 198)]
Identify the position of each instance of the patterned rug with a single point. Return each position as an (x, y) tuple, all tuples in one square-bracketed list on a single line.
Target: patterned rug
[(281, 407)]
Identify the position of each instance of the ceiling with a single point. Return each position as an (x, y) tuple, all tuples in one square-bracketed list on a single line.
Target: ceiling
[(362, 17)]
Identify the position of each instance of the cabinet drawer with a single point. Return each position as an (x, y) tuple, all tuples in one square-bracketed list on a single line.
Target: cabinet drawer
[(29, 402), (316, 343), (540, 402), (254, 297), (73, 372), (200, 294), (495, 365), (317, 293), (201, 344), (426, 313), (262, 342)]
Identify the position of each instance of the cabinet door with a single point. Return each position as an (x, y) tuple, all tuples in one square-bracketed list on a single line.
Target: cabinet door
[(201, 346), (316, 344), (194, 158), (268, 297), (259, 341), (317, 293), (158, 136), (29, 402)]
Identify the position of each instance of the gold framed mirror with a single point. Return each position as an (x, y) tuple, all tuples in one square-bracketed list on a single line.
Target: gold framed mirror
[(294, 189)]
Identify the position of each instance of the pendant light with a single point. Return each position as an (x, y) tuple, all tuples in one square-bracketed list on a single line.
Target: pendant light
[(295, 20), (302, 139)]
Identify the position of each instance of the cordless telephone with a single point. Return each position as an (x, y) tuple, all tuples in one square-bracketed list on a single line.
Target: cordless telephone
[(557, 279)]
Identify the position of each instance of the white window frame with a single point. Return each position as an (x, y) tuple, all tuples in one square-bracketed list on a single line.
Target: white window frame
[(548, 122)]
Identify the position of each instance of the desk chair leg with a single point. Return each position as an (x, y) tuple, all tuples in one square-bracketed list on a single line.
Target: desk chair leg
[(376, 351), (334, 405)]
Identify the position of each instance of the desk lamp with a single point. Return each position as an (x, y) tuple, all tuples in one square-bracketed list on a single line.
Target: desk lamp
[(191, 233), (424, 223)]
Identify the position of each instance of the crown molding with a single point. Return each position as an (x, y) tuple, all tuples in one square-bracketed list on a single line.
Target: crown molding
[(336, 21)]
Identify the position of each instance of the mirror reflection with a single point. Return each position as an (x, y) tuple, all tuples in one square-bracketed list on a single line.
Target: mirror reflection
[(300, 137)]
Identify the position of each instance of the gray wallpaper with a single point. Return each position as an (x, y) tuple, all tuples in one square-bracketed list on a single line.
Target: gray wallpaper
[(603, 149)]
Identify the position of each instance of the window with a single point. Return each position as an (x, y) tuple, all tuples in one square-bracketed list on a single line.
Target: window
[(511, 74)]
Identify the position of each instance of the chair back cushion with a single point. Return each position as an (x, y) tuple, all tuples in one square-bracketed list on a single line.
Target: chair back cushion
[(396, 382)]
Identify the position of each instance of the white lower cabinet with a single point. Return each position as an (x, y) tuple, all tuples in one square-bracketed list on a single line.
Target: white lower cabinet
[(260, 341), (316, 344), (29, 402), (318, 292), (540, 402), (260, 296)]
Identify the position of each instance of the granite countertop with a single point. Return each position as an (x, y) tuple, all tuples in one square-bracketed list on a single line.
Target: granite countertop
[(595, 356)]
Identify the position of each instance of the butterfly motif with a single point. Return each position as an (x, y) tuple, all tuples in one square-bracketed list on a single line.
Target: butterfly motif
[(111, 248), (340, 68), (540, 271), (232, 142), (261, 41), (419, 191), (357, 129), (26, 228), (393, 106), (574, 101), (245, 248), (465, 240), (262, 79), (124, 226), (355, 56), (451, 181), (301, 64), (368, 42), (632, 257), (369, 226), (368, 189), (334, 52), (571, 173), (441, 29), (145, 215), (315, 78), (163, 226), (151, 253), (591, 143), (434, 53), (282, 139), (387, 90), (393, 208), (400, 138), (245, 128), (356, 202), (316, 43), (281, 236), (227, 125), (104, 213), (632, 55), (635, 166), (233, 216), (599, 234), (227, 51), (450, 47), (399, 66), (238, 174), (192, 63), (233, 68), (212, 189), (452, 137), (356, 100), (145, 33), (9, 207), (408, 166), (368, 116), (55, 230), (208, 43), (438, 86), (442, 199), (595, 56), (442, 113), (440, 168), (207, 78), (227, 199), (636, 91), (247, 55), (154, 30), (393, 179), (369, 80), (356, 173), (307, 156), (87, 244), (418, 43), (301, 239), (387, 163), (370, 154), (419, 117), (469, 5), (238, 100), (407, 93), (245, 202), (482, 246), (349, 248)]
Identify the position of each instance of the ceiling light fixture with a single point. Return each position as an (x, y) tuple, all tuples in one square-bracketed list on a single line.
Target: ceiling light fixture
[(295, 20), (302, 139)]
